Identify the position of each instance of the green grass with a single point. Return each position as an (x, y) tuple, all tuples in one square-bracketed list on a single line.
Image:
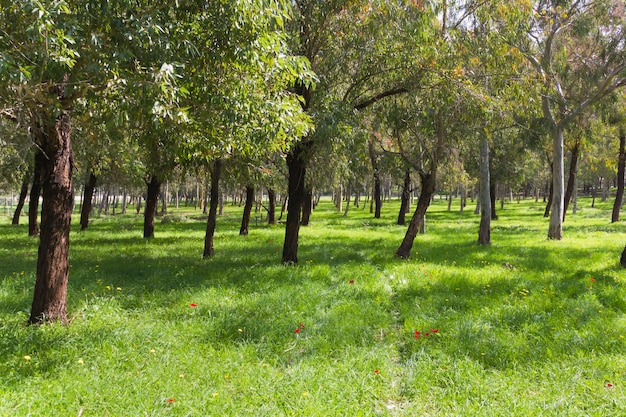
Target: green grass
[(526, 326)]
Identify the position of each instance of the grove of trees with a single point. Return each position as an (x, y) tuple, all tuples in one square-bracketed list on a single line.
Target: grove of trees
[(290, 99)]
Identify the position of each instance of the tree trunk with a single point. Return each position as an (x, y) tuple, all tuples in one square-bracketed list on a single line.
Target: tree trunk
[(21, 200), (152, 203), (348, 197), (307, 208), (571, 179), (209, 250), (296, 163), (87, 201), (406, 196), (271, 210), (426, 193), (376, 193), (621, 168), (555, 230), (247, 210), (484, 201), (50, 295), (493, 196), (35, 192), (124, 197)]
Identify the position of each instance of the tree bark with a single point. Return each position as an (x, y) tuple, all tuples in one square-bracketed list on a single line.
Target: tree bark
[(271, 210), (247, 210), (307, 208), (406, 195), (152, 203), (426, 193), (621, 168), (429, 180), (35, 193), (50, 295), (546, 212), (21, 200), (555, 229), (493, 197), (376, 197), (484, 230), (87, 201), (571, 179), (296, 163), (209, 250)]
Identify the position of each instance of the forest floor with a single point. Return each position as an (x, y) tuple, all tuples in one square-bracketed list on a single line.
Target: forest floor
[(524, 327)]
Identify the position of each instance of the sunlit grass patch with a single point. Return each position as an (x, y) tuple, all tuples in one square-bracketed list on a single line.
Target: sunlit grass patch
[(525, 326)]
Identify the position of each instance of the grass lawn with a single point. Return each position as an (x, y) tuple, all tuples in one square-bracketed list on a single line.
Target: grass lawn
[(524, 327)]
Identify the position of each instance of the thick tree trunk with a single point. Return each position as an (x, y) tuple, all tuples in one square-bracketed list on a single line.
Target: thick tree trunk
[(571, 179), (247, 210), (152, 203), (416, 223), (209, 250), (555, 230), (348, 198), (49, 301), (87, 201), (484, 230), (271, 210), (35, 193), (406, 196), (21, 200), (307, 208), (296, 162), (621, 168)]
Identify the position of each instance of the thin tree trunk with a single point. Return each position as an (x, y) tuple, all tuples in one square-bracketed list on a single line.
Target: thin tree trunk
[(493, 197), (152, 203), (124, 197), (50, 295), (484, 201), (429, 181), (406, 197), (555, 229), (307, 208), (621, 168), (348, 197), (21, 200), (35, 193), (87, 201), (571, 179), (283, 206), (377, 186), (209, 250), (271, 210), (416, 223), (296, 162), (247, 210)]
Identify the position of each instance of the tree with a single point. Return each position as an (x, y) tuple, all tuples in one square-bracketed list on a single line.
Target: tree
[(576, 48)]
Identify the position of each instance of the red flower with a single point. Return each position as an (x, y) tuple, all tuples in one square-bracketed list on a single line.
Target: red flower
[(298, 330), (609, 385), (417, 335), (592, 280), (434, 331), (171, 400), (426, 334), (376, 371), (193, 305), (351, 281), (302, 325)]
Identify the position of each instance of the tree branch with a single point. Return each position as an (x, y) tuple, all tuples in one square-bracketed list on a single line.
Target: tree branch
[(364, 104)]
